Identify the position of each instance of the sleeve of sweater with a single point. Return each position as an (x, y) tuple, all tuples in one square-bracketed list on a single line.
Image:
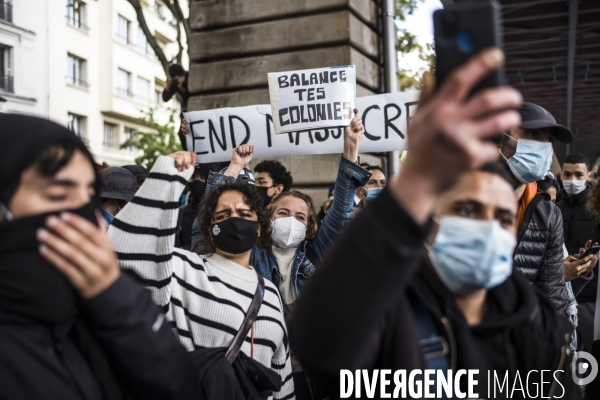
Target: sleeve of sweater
[(145, 354), (143, 233), (281, 363), (338, 320)]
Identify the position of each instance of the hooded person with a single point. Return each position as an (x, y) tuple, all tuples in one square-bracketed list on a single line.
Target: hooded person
[(422, 281), (117, 186), (71, 325)]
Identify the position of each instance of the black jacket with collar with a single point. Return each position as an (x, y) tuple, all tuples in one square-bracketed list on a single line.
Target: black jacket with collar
[(355, 312), (579, 226), (120, 347), (539, 252)]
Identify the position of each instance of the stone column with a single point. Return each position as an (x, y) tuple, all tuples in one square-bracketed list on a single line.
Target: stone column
[(237, 42)]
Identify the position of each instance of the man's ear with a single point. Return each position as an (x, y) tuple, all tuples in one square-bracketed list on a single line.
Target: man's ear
[(359, 192), (278, 189)]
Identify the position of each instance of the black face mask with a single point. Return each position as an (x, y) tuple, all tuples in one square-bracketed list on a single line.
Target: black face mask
[(197, 188), (262, 192), (235, 235), (29, 285)]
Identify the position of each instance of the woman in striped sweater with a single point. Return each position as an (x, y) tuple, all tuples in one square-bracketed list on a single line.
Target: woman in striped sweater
[(206, 298)]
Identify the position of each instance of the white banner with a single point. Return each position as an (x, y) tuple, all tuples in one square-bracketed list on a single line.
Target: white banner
[(312, 98), (213, 134)]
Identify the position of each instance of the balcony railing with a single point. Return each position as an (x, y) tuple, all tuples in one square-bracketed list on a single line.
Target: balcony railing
[(124, 92), (6, 12), (77, 22), (7, 84), (71, 80)]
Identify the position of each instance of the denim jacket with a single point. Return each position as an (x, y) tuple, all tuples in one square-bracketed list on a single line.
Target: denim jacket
[(350, 176)]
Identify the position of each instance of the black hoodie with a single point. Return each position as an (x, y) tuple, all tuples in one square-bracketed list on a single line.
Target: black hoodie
[(579, 226), (355, 313)]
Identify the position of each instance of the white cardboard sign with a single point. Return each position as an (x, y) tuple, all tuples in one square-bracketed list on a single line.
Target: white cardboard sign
[(213, 134), (312, 98)]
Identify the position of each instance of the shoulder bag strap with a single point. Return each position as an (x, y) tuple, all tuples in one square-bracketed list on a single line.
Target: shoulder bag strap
[(251, 315)]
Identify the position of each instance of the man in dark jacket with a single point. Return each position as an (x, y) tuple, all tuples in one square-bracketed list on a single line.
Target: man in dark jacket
[(526, 153), (382, 299), (71, 325), (579, 227)]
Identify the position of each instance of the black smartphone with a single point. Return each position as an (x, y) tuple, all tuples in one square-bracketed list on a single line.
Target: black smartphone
[(463, 30), (591, 250)]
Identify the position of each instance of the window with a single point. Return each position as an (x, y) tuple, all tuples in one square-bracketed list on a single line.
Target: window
[(110, 136), (142, 42), (123, 30), (143, 89), (128, 134), (6, 11), (76, 14), (158, 9), (6, 74), (76, 123), (76, 71), (124, 83), (158, 102)]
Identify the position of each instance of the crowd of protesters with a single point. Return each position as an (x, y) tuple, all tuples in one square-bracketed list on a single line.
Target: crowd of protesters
[(473, 257)]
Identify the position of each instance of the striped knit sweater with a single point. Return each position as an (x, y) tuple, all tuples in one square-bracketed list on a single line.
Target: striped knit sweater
[(206, 297)]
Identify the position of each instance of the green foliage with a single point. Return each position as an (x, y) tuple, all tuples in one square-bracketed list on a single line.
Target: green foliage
[(162, 141), (406, 7), (407, 43)]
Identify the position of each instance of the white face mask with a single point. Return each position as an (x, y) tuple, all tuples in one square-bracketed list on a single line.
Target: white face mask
[(575, 186), (288, 232)]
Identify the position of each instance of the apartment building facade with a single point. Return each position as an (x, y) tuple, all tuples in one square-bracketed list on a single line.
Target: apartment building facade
[(95, 71)]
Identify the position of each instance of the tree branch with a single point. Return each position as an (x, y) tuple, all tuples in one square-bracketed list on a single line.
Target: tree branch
[(151, 39), (184, 21), (179, 21)]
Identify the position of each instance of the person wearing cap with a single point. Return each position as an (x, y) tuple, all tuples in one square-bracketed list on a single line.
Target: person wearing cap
[(72, 326), (117, 186), (140, 173), (526, 153)]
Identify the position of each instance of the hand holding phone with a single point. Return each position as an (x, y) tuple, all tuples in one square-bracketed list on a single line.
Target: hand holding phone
[(593, 250)]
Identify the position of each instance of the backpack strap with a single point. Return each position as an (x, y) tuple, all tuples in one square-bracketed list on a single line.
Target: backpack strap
[(434, 346), (251, 315)]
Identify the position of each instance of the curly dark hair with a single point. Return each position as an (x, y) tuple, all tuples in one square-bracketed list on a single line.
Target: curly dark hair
[(277, 172), (251, 198)]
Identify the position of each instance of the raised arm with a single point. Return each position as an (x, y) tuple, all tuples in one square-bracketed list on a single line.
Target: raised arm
[(350, 176), (143, 233), (341, 315)]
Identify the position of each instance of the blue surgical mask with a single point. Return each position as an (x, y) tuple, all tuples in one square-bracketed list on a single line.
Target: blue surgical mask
[(470, 254), (531, 161), (373, 193)]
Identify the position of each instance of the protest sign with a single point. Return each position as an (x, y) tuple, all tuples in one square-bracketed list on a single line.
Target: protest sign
[(213, 134), (312, 98)]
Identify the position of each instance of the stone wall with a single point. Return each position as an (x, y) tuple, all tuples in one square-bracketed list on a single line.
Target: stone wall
[(237, 42)]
